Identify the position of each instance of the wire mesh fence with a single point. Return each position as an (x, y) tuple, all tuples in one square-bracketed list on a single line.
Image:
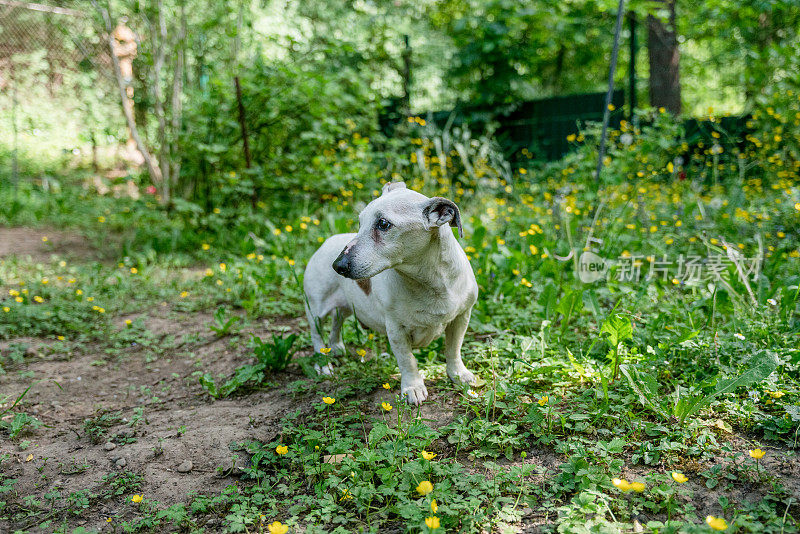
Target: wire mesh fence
[(55, 85)]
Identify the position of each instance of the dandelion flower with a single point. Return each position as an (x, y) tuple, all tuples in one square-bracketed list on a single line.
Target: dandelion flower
[(425, 487), (184, 294), (38, 299), (361, 352), (277, 528), (429, 456), (128, 322), (757, 453), (716, 523), (432, 522), (638, 487), (134, 270), (281, 449), (680, 478), (205, 246), (328, 400), (621, 484), (136, 498), (386, 406)]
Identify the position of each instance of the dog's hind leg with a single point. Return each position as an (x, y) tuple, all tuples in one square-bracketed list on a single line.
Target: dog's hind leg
[(315, 325), (336, 343)]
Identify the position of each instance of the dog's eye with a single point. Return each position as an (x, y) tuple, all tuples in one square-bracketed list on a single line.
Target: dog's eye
[(383, 224)]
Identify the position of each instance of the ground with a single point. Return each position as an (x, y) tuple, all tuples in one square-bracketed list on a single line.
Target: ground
[(116, 414)]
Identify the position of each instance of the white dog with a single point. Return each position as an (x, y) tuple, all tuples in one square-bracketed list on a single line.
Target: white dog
[(404, 275)]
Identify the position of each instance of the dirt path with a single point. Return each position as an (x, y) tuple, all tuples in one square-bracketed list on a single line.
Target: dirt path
[(41, 243), (150, 418)]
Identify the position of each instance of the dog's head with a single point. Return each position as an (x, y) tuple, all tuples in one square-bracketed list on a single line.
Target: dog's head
[(395, 228)]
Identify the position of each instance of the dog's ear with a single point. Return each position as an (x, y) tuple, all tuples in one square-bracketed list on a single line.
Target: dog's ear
[(392, 186), (438, 211)]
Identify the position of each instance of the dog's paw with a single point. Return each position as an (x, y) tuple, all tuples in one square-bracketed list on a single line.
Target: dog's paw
[(461, 375), (326, 369), (415, 392)]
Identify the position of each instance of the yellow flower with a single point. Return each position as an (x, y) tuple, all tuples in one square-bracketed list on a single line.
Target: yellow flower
[(205, 246), (571, 137), (79, 292), (6, 309), (328, 400), (223, 267), (136, 498), (776, 394), (44, 239), (18, 299), (387, 386), (611, 107), (277, 528), (543, 400), (60, 338), (429, 456), (325, 350), (386, 406), (209, 272), (101, 219), (638, 487), (434, 506), (45, 281), (38, 299), (621, 484), (361, 353), (216, 210), (90, 299), (109, 520), (717, 523), (680, 478), (13, 292), (128, 322), (277, 231), (425, 487), (134, 270), (432, 522), (184, 294), (757, 453), (281, 449), (288, 228)]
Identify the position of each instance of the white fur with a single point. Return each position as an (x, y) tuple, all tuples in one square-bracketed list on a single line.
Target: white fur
[(421, 284)]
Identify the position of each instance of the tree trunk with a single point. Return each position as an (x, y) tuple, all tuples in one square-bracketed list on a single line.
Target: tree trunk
[(152, 166), (662, 45)]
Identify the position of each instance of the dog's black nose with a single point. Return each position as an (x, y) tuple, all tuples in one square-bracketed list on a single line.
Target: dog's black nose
[(342, 265)]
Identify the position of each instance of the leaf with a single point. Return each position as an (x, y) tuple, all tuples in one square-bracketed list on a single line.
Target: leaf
[(757, 368), (645, 386), (618, 327)]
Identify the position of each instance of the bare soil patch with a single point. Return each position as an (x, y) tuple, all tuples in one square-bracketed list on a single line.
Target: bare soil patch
[(40, 244)]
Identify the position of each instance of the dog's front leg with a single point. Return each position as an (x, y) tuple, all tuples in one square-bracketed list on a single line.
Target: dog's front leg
[(412, 386), (453, 338)]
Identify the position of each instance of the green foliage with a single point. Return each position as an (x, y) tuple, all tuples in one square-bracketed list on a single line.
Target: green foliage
[(270, 357), (223, 324)]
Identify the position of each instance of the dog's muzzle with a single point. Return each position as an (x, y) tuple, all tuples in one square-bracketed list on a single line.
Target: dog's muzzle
[(343, 266)]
